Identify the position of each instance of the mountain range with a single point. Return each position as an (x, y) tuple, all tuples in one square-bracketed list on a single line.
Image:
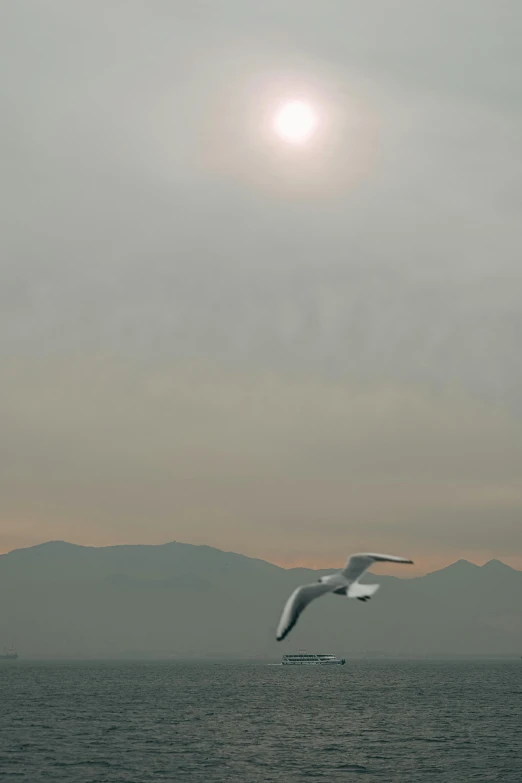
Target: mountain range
[(183, 601)]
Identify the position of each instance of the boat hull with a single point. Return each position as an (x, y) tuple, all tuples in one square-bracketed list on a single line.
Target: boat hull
[(312, 660)]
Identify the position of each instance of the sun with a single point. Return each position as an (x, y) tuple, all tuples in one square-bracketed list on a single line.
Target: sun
[(295, 122)]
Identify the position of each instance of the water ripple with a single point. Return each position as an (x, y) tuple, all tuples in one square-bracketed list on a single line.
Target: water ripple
[(135, 722)]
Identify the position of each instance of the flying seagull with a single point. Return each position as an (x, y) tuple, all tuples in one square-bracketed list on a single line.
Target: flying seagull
[(345, 582)]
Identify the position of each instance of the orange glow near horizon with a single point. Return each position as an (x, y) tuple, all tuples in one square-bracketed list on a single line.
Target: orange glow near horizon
[(423, 563)]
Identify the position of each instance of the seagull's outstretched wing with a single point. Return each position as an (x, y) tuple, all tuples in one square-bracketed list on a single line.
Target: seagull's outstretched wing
[(298, 601), (357, 564)]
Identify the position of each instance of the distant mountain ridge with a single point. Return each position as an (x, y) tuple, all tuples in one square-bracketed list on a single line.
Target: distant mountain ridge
[(184, 600)]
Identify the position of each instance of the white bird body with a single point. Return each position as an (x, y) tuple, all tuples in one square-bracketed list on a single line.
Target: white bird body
[(345, 582)]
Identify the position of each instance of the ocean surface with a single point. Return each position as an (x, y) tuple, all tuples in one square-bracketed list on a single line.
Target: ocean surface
[(412, 722)]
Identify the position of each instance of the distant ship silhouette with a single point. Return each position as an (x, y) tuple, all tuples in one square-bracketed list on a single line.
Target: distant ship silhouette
[(9, 655)]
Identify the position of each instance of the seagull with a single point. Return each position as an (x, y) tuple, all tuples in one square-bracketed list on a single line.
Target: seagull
[(345, 582)]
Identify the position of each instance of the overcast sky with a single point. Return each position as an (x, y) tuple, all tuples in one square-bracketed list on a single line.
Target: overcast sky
[(208, 337)]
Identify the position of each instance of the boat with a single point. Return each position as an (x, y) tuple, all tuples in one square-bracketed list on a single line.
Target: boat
[(9, 655), (311, 659)]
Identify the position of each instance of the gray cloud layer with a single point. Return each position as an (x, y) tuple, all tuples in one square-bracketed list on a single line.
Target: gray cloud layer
[(142, 221)]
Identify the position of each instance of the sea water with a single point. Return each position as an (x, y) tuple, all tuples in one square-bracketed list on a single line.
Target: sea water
[(112, 722)]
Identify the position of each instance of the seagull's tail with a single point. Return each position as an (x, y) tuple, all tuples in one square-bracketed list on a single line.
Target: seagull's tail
[(362, 592)]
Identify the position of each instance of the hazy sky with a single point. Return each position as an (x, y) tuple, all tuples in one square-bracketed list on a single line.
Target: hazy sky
[(209, 337)]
